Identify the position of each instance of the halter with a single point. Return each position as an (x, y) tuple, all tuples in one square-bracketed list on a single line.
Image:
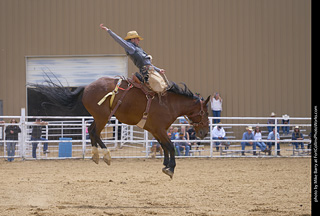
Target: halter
[(201, 113)]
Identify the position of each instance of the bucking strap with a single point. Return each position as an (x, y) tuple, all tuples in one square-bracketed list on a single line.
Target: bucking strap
[(112, 94)]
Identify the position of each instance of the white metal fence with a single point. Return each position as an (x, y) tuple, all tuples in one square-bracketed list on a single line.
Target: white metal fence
[(67, 137)]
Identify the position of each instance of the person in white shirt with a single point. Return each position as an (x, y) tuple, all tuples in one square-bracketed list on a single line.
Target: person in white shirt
[(216, 107), (218, 133), (257, 136)]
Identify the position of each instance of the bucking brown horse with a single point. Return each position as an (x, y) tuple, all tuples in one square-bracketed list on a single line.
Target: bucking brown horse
[(129, 106)]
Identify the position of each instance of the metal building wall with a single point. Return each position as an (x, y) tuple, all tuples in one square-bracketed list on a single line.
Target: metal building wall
[(256, 53)]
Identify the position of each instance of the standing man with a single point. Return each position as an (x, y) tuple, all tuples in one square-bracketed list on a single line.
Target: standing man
[(216, 107), (36, 136), (139, 57), (12, 132)]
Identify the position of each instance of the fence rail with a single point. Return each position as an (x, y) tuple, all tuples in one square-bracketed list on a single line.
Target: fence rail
[(68, 135)]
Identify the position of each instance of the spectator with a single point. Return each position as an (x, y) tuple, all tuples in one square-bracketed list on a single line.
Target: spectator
[(297, 135), (183, 121), (272, 121), (155, 147), (218, 133), (192, 133), (285, 120), (36, 136), (1, 135), (216, 107), (182, 145), (272, 136), (257, 136), (185, 133), (175, 133), (192, 136), (248, 135), (12, 132), (309, 145), (170, 132)]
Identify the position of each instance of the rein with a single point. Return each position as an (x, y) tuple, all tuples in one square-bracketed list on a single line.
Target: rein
[(149, 96), (201, 113)]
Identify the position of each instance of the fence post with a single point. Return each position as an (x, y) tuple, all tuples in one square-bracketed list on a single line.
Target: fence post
[(61, 129), (84, 137), (211, 141), (276, 137), (146, 138), (23, 134), (116, 132)]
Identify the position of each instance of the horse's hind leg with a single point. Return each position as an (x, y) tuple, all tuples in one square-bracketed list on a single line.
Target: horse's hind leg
[(93, 138)]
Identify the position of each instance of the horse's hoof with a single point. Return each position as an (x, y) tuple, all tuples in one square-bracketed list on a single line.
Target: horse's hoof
[(95, 158), (107, 157), (95, 155), (168, 172)]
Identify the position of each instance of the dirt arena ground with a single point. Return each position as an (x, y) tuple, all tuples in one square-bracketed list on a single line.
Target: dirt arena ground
[(201, 186)]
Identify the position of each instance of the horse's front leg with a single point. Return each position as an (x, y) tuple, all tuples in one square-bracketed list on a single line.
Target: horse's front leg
[(166, 156), (168, 162), (165, 142), (169, 169)]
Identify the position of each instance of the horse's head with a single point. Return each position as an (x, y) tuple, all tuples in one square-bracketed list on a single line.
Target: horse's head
[(200, 120)]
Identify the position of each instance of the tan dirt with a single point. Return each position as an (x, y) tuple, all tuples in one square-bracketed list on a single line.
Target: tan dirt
[(205, 186)]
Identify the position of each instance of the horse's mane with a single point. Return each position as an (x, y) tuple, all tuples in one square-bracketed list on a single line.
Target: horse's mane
[(182, 90)]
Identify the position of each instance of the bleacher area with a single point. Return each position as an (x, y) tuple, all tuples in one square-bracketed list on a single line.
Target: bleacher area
[(127, 141), (232, 147)]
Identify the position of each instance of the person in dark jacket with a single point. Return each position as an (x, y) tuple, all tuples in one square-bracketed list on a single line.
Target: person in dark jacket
[(12, 132), (297, 135), (36, 136)]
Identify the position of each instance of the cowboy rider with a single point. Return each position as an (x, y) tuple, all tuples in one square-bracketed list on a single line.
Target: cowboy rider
[(139, 57)]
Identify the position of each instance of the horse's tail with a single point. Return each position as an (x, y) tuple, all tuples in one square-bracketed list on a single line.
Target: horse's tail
[(62, 97)]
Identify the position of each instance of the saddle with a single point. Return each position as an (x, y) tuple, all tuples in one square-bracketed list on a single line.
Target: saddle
[(150, 89), (155, 82)]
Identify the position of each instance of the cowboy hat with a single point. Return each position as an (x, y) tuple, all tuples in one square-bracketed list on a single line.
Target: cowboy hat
[(285, 117), (249, 128), (132, 34), (272, 114)]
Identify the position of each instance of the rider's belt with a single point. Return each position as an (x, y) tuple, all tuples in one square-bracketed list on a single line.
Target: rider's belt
[(146, 68)]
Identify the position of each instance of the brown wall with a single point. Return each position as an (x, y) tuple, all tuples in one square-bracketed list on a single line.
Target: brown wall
[(256, 53)]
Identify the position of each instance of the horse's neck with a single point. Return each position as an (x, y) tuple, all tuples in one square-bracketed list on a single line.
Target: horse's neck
[(185, 105)]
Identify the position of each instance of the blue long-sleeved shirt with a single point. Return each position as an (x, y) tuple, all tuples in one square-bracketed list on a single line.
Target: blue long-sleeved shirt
[(271, 136), (247, 136), (129, 47)]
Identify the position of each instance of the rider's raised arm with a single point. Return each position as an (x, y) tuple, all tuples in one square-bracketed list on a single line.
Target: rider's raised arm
[(129, 47)]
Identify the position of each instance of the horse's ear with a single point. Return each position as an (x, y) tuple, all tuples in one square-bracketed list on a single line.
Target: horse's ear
[(207, 100)]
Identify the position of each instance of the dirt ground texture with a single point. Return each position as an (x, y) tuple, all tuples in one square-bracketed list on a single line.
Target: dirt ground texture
[(200, 186)]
